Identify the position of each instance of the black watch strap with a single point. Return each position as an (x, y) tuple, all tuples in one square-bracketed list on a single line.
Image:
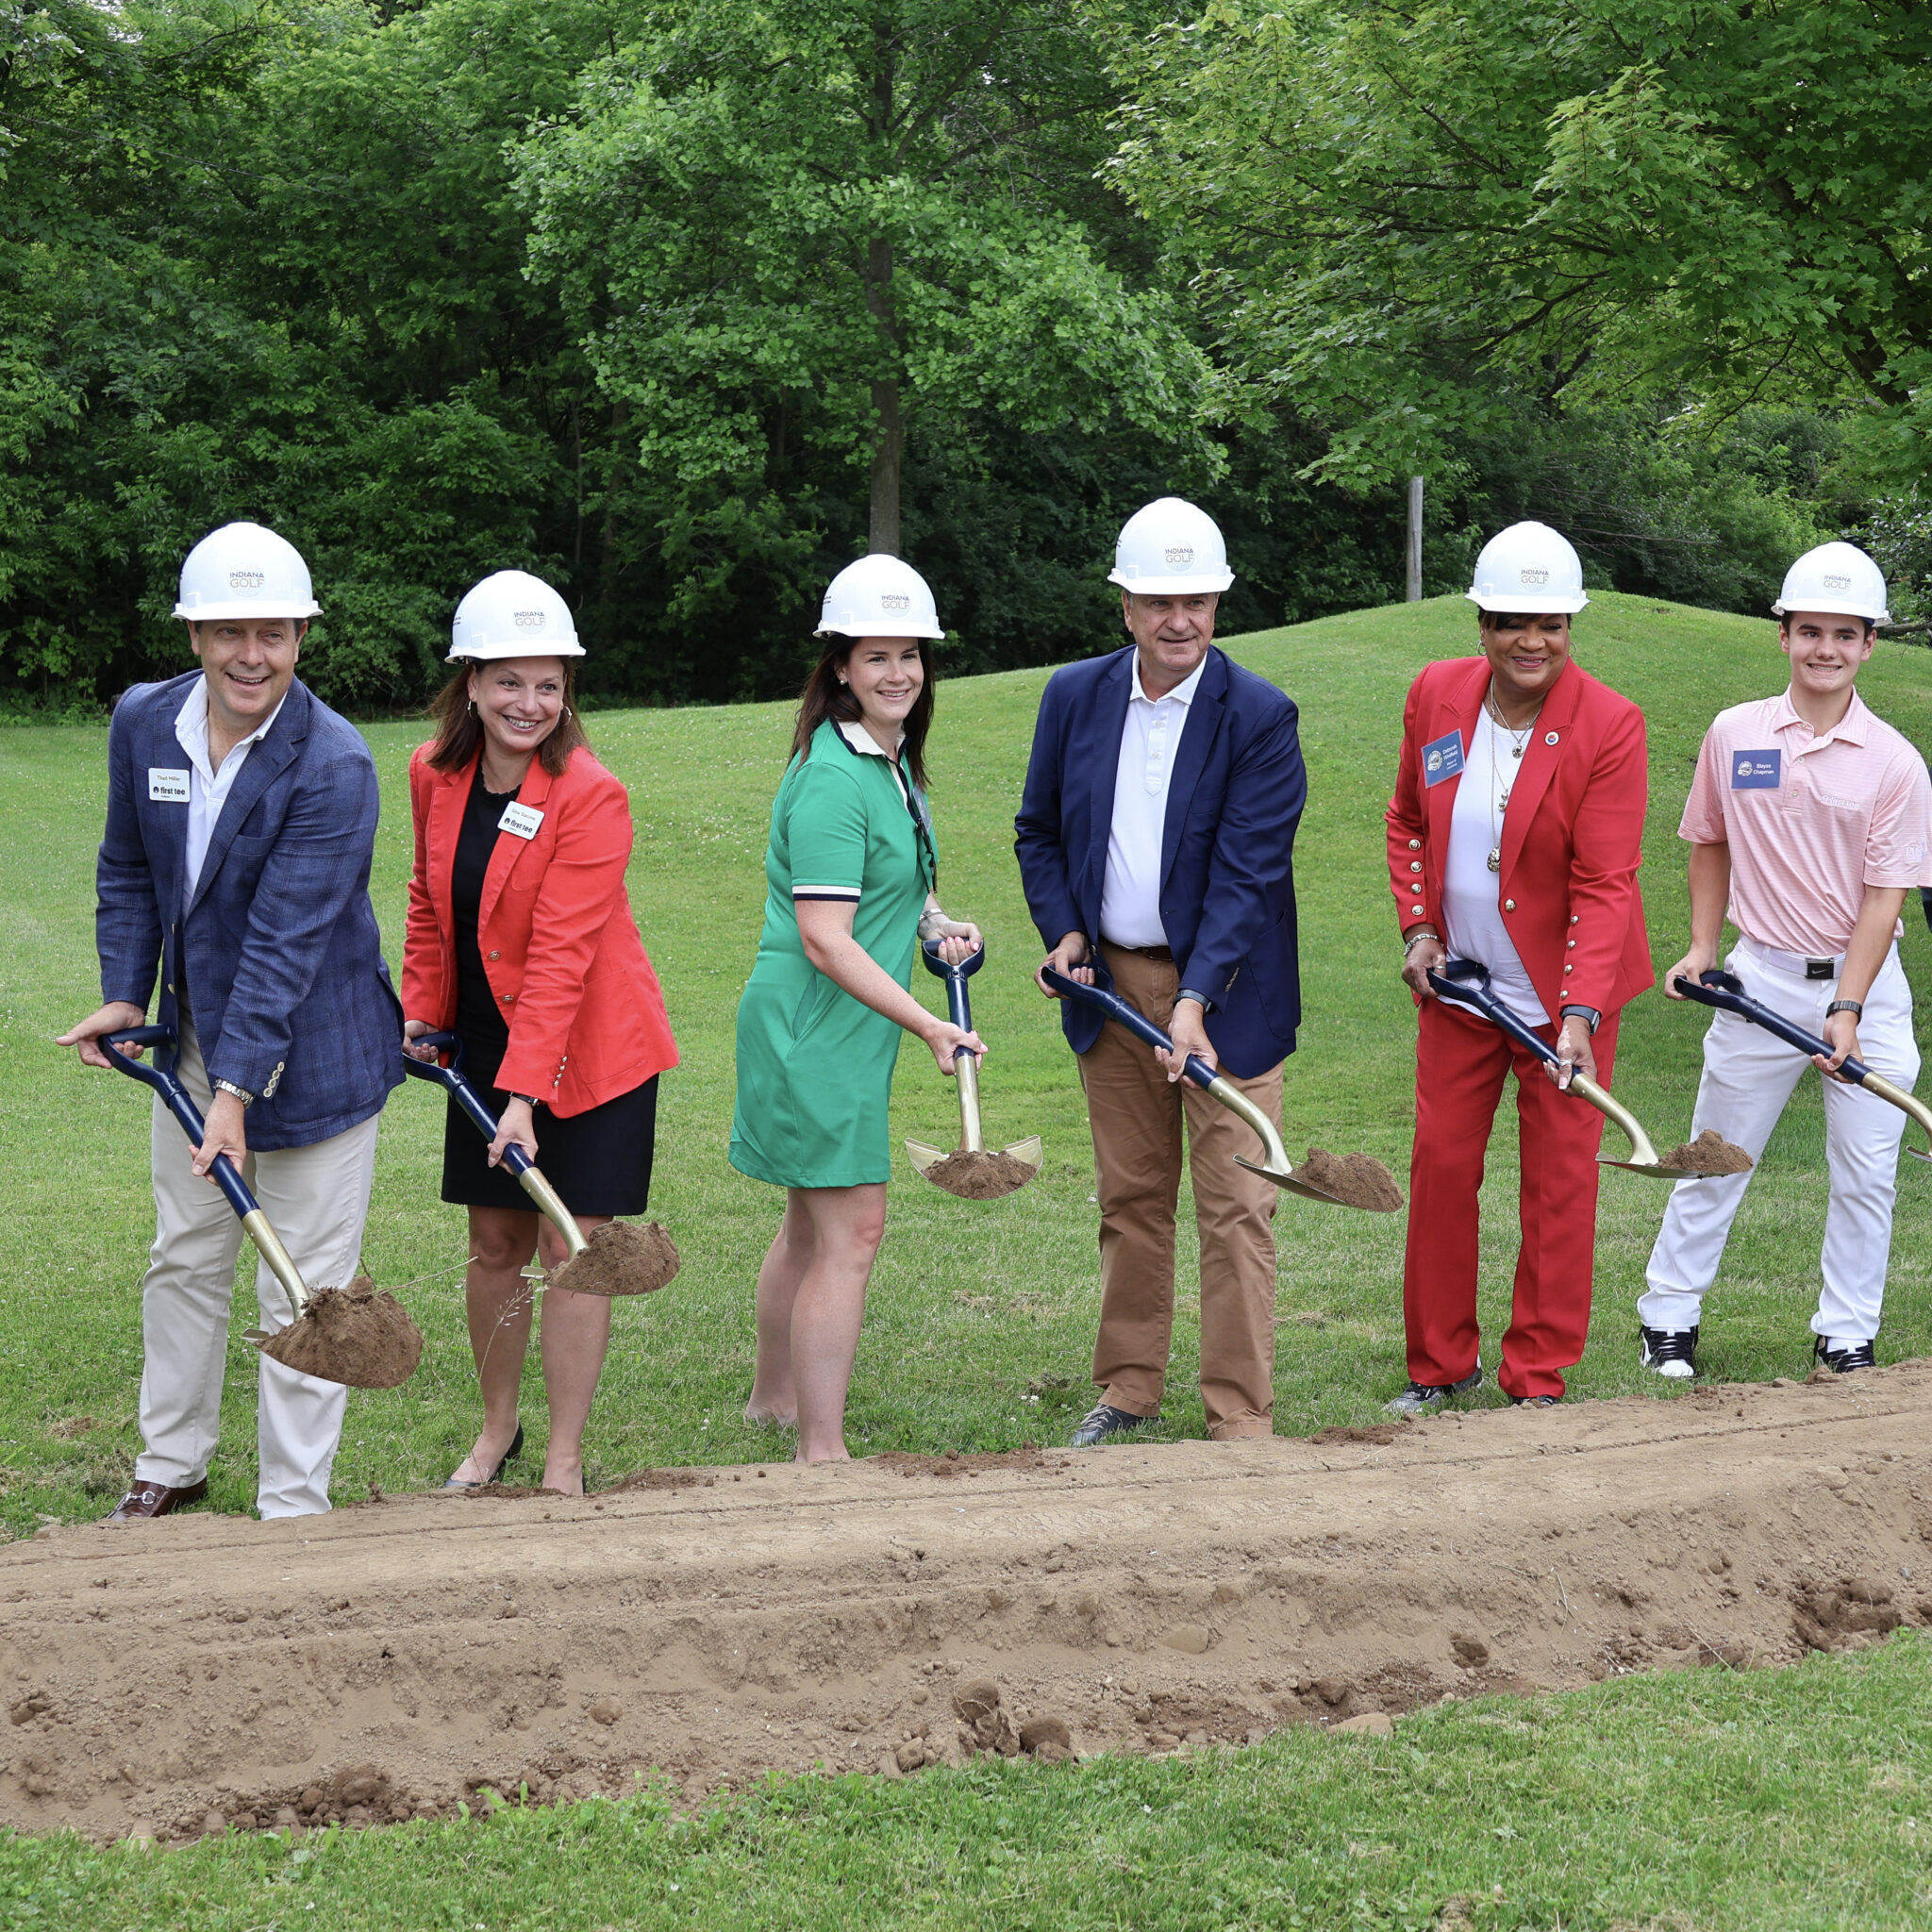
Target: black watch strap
[(1588, 1015), (1854, 1008)]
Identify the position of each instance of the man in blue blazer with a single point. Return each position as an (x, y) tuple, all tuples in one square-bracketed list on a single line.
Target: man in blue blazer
[(240, 823), (1155, 839)]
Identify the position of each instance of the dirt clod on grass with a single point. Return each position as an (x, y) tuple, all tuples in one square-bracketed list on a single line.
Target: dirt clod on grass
[(357, 1335), (954, 1464), (879, 1617), (980, 1175), (1357, 1181), (621, 1258), (1711, 1153)]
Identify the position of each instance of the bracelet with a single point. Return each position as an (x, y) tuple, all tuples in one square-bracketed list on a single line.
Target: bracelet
[(1415, 939), (1854, 1008)]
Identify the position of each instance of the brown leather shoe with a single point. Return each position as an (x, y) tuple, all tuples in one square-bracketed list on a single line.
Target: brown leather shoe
[(156, 1499)]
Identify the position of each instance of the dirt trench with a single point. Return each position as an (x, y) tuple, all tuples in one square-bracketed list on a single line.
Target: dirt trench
[(400, 1657)]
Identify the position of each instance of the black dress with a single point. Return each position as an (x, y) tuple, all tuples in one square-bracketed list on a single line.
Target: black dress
[(598, 1161)]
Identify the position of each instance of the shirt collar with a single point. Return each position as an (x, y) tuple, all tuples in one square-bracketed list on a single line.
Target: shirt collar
[(191, 721), (1184, 691), (1853, 727), (862, 742)]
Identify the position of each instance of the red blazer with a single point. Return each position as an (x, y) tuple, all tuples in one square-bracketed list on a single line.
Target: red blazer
[(559, 946), (1573, 837)]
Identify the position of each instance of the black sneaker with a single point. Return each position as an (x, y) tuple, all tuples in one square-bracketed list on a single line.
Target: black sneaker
[(1533, 1401), (1669, 1351), (1425, 1398), (1843, 1361), (1104, 1421)]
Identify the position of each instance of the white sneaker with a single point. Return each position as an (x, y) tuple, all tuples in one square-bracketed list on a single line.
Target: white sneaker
[(1669, 1352)]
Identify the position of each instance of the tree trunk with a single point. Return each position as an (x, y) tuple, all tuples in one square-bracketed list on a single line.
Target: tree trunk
[(889, 430)]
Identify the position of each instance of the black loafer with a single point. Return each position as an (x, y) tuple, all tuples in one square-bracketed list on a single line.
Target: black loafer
[(1104, 1421)]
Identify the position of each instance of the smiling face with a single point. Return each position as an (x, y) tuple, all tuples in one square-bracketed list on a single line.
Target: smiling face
[(249, 664), (1171, 635), (1526, 652), (1826, 650), (518, 702), (886, 676)]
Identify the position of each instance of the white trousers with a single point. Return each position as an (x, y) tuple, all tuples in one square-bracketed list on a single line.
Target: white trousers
[(317, 1199), (1748, 1075)]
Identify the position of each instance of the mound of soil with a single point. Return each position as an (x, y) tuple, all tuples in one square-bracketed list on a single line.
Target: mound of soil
[(1357, 1181), (953, 1464), (876, 1616), (981, 1175), (621, 1258), (1711, 1153), (356, 1335)]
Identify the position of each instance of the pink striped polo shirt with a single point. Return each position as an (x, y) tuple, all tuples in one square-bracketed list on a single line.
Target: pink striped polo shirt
[(1811, 822)]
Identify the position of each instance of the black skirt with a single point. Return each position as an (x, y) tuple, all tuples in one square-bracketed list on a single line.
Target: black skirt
[(599, 1162)]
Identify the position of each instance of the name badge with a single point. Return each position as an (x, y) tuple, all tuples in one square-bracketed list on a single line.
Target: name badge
[(167, 788), (1442, 759), (522, 820), (1755, 771)]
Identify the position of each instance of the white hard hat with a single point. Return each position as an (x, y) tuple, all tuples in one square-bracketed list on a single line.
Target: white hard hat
[(512, 614), (1170, 549), (879, 596), (243, 570), (1529, 567), (1835, 577)]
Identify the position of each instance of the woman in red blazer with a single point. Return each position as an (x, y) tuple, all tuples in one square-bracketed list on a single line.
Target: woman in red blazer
[(521, 941), (1515, 839)]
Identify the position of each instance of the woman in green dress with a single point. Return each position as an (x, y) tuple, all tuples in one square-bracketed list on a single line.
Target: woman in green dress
[(849, 879)]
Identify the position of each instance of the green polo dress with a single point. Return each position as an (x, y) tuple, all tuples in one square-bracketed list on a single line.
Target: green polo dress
[(814, 1064)]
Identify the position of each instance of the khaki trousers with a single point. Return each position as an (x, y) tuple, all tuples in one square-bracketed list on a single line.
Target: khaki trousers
[(1137, 1120), (317, 1199)]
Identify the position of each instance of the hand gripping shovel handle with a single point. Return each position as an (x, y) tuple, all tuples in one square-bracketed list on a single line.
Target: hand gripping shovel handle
[(1725, 991), (224, 1173), (1466, 981), (960, 1010), (530, 1177)]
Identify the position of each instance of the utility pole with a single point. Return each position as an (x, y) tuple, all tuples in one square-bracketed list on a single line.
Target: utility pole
[(1415, 540)]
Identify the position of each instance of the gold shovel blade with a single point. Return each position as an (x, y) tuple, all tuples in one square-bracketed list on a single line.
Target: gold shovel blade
[(922, 1154), (1657, 1172), (1290, 1184)]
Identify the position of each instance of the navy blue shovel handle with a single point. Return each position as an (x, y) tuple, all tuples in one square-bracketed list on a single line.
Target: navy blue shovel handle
[(450, 1079), (179, 1101), (958, 1007), (1112, 1003), (1467, 981), (1725, 991)]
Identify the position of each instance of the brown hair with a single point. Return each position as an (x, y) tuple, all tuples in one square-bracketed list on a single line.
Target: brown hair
[(459, 731), (826, 696)]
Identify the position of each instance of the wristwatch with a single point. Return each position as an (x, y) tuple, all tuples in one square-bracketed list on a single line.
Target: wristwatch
[(241, 1093), (1200, 999), (529, 1100), (1854, 1008), (1588, 1015)]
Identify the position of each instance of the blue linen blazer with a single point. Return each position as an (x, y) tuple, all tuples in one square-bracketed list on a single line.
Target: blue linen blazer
[(280, 948), (1228, 846)]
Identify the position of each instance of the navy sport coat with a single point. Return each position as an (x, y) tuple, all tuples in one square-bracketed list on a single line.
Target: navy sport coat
[(279, 950), (1227, 873)]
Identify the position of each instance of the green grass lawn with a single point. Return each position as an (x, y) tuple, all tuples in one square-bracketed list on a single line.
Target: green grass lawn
[(1687, 1803)]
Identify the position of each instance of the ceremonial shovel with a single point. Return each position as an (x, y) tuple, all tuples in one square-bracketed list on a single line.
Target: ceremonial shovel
[(1275, 1165), (990, 1184), (368, 1340), (1725, 991), (1466, 982)]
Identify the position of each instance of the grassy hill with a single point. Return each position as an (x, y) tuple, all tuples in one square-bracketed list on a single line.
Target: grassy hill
[(982, 1314)]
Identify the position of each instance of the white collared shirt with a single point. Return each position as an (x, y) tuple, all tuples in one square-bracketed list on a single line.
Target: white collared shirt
[(207, 789), (1150, 742)]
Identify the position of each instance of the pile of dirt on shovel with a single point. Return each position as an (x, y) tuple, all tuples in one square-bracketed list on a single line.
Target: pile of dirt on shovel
[(621, 1257), (1357, 1181), (358, 1334), (980, 1175), (1711, 1153)]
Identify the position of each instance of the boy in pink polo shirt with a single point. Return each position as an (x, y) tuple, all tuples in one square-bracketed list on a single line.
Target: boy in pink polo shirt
[(1813, 819)]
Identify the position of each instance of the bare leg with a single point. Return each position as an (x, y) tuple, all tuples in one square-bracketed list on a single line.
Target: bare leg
[(773, 1399), (575, 1333), (497, 1299), (827, 1307)]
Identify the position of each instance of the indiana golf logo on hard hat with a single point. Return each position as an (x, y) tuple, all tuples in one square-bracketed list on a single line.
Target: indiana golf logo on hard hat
[(1182, 554), (894, 600), (1534, 577), (528, 620), (246, 579), (1837, 583)]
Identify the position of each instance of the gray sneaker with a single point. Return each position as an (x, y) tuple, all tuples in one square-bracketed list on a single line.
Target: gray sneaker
[(1104, 1422), (1425, 1398)]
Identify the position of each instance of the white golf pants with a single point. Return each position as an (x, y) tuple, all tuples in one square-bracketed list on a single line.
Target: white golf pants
[(317, 1198), (1748, 1075)]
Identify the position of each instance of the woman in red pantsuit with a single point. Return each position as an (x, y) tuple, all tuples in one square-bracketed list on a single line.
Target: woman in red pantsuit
[(1515, 839)]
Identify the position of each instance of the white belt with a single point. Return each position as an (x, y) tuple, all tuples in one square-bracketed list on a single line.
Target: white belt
[(1804, 965)]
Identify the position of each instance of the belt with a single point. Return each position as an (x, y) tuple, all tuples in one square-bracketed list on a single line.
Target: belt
[(1803, 965), (1165, 954)]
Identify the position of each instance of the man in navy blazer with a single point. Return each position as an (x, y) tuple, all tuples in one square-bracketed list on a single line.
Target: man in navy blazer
[(241, 824), (1155, 840)]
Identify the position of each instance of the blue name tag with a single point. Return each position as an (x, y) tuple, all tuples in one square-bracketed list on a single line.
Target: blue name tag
[(1442, 759), (1755, 771)]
